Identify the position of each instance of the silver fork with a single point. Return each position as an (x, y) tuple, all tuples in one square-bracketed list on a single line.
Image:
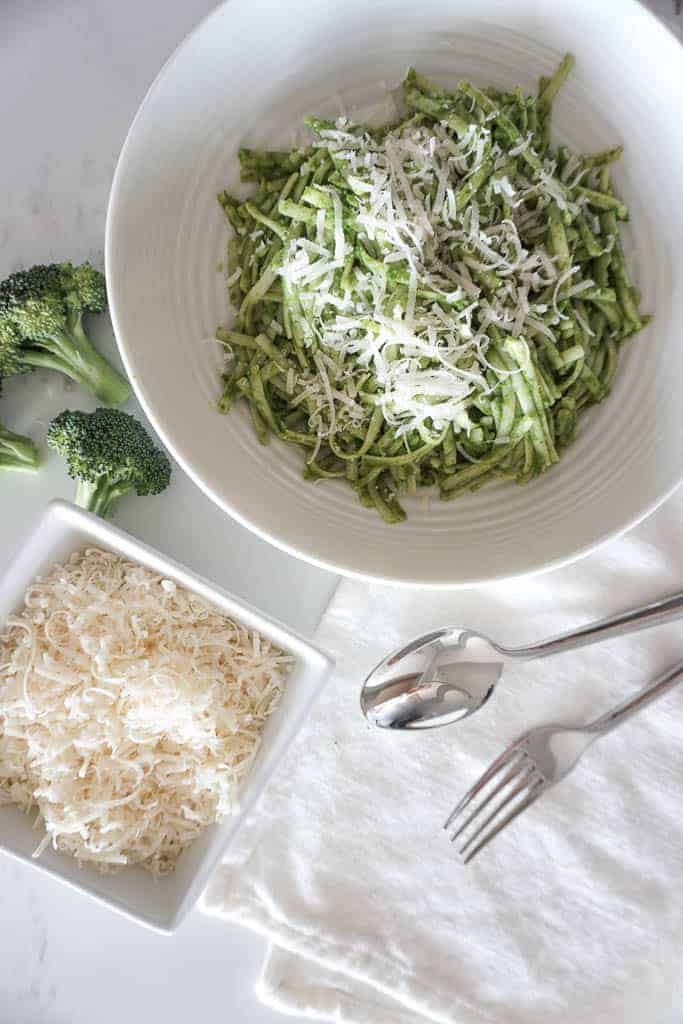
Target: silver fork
[(534, 763)]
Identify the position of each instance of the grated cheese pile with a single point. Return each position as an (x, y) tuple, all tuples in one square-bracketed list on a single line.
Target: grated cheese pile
[(130, 711), (426, 343)]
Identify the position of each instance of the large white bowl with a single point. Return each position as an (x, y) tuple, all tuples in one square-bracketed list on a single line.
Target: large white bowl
[(248, 74)]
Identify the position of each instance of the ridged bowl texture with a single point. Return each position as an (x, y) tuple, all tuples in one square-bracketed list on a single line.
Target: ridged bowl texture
[(247, 75)]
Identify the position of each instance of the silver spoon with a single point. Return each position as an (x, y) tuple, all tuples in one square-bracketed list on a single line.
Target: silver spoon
[(446, 675)]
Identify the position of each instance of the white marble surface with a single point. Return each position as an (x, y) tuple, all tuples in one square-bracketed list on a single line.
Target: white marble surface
[(72, 73)]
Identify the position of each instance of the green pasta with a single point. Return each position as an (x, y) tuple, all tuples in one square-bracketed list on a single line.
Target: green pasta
[(431, 304)]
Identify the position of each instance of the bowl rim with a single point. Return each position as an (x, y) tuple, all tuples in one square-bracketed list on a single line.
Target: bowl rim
[(62, 516), (339, 565)]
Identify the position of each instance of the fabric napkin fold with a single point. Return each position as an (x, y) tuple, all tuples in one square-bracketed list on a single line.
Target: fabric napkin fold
[(574, 914)]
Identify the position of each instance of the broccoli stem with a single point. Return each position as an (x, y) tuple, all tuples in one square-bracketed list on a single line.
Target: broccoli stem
[(104, 381), (99, 497), (17, 452), (73, 354)]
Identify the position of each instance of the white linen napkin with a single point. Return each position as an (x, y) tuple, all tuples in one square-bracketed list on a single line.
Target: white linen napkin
[(574, 914)]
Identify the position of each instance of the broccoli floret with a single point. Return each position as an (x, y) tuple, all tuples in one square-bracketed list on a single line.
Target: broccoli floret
[(16, 451), (110, 454), (41, 324)]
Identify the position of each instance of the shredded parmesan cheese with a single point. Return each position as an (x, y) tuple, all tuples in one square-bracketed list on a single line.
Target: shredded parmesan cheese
[(428, 364), (130, 711)]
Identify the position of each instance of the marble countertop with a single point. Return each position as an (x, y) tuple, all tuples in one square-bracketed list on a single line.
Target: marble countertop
[(72, 74)]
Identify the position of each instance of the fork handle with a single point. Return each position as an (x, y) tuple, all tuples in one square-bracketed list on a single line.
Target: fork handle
[(656, 614), (672, 677)]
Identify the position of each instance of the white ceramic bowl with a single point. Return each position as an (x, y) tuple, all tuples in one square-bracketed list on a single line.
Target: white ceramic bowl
[(162, 903), (248, 74)]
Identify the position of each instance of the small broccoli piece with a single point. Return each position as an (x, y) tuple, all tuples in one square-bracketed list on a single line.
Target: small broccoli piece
[(110, 454), (16, 451), (41, 324)]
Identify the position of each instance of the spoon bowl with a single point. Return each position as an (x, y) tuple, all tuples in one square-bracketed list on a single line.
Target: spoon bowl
[(455, 673)]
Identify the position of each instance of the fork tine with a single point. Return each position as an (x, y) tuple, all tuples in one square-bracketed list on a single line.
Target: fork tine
[(523, 785), (517, 767), (492, 770), (529, 799)]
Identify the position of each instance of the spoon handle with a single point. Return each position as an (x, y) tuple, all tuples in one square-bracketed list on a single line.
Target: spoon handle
[(656, 614)]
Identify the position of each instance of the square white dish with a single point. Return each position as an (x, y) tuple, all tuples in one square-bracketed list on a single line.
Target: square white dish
[(163, 903)]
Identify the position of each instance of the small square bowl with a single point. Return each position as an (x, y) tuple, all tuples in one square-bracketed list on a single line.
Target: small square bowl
[(161, 904)]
